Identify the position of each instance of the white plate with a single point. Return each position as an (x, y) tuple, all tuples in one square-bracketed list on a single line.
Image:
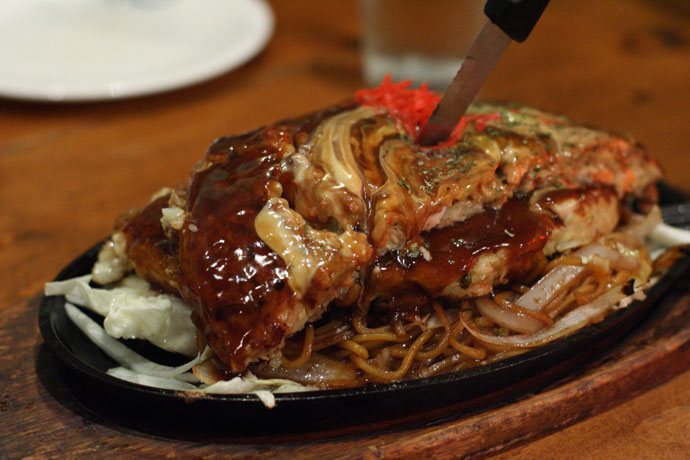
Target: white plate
[(84, 50)]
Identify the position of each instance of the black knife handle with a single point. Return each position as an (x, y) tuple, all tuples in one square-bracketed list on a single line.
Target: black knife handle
[(515, 17)]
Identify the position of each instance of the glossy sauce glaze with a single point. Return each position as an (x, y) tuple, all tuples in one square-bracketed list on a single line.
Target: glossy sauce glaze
[(236, 283), (452, 251)]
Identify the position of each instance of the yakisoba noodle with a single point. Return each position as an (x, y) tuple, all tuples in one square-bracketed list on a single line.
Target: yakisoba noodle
[(444, 339)]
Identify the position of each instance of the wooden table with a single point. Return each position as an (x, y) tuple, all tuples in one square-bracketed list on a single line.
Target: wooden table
[(67, 170)]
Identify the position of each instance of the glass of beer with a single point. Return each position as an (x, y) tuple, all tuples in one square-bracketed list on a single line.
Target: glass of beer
[(421, 40)]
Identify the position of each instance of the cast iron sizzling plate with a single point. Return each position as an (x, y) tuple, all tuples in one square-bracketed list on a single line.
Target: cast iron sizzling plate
[(471, 389)]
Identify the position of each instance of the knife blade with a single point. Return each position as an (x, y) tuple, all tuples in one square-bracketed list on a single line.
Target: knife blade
[(487, 49), (509, 19)]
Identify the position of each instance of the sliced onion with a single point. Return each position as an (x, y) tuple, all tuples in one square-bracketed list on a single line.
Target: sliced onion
[(266, 398), (562, 277), (642, 225), (670, 236), (618, 260), (573, 321), (557, 280), (319, 371), (507, 318)]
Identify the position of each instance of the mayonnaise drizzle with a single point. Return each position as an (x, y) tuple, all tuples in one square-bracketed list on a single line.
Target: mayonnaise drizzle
[(304, 249), (330, 147)]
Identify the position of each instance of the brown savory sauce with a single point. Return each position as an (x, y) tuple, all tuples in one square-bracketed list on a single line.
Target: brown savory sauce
[(228, 273), (225, 266), (454, 249)]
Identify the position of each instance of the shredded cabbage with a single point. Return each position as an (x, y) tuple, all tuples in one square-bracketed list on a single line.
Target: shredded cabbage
[(137, 369), (123, 373), (133, 311), (120, 353)]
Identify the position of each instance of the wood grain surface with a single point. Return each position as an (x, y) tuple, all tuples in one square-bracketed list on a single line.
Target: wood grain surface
[(67, 170)]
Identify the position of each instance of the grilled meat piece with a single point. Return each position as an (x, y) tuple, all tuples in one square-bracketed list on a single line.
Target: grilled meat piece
[(342, 206)]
